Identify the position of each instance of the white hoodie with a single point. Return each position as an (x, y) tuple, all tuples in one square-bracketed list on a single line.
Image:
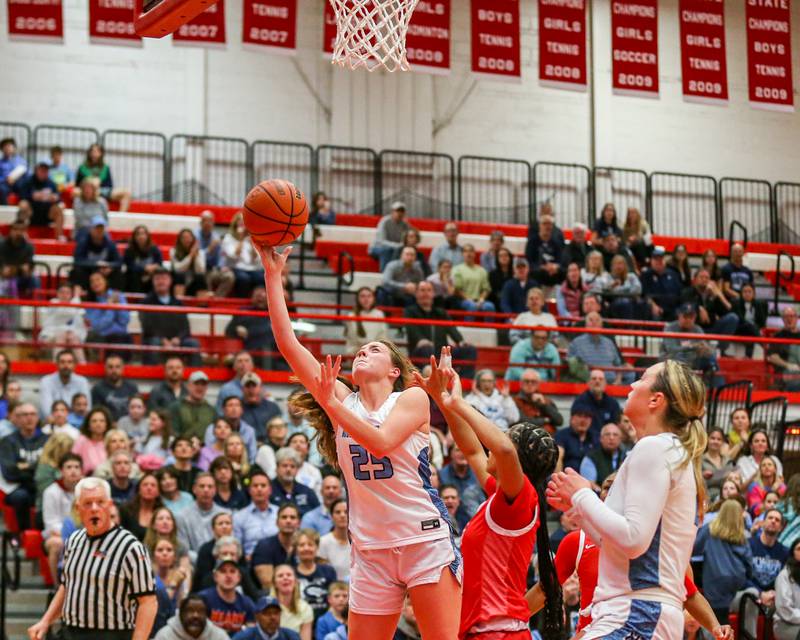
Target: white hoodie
[(175, 631)]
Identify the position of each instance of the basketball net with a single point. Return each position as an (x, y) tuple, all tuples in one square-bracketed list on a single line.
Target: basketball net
[(372, 33)]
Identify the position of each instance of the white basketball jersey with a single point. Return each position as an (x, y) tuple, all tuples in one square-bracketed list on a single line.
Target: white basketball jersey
[(391, 500)]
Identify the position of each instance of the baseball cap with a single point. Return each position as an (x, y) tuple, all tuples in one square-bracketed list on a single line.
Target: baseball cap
[(687, 310), (265, 602), (398, 205), (521, 262), (98, 221), (581, 406), (250, 378), (198, 376), (223, 562), (659, 252)]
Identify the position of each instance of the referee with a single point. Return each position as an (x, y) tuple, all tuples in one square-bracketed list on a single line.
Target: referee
[(107, 588)]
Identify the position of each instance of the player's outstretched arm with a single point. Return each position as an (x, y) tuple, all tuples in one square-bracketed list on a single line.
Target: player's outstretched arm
[(300, 359), (701, 610)]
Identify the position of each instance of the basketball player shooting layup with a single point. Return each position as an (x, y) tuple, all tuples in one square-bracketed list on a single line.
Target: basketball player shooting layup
[(398, 523), (646, 526)]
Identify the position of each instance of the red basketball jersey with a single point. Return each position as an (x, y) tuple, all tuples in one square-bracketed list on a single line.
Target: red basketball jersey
[(497, 546)]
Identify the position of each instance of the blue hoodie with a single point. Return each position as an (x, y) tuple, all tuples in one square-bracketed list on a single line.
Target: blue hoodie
[(727, 568)]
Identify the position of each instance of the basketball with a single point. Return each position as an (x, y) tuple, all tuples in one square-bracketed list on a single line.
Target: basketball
[(275, 212)]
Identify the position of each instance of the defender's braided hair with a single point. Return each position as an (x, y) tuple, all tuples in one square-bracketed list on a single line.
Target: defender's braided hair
[(538, 455)]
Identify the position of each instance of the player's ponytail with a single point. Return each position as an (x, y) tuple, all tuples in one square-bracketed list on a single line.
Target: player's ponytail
[(538, 455)]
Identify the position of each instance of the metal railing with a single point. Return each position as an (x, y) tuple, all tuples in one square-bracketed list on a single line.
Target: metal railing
[(749, 202), (735, 224), (495, 190), (342, 282), (426, 182), (725, 399), (770, 414), (779, 277), (755, 620), (679, 201), (9, 579), (624, 188)]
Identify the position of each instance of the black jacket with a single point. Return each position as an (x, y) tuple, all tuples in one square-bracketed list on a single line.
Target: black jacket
[(760, 308), (437, 334), (259, 330), (15, 449), (163, 325)]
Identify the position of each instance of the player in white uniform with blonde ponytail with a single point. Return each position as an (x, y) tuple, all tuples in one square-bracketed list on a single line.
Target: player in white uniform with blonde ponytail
[(379, 436)]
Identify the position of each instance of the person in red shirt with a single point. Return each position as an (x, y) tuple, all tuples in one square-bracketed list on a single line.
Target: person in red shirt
[(577, 553), (498, 543)]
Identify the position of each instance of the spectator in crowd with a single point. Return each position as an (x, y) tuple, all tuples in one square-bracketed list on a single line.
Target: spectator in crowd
[(183, 467), (320, 518), (223, 547), (211, 452), (142, 258), (604, 408), (64, 325), (401, 277), (710, 263), (240, 256), (786, 357), (606, 459), (735, 273), (758, 448), (449, 250), (623, 287), (489, 258), (769, 556), (232, 411), (192, 413), (502, 273), (537, 350), (172, 388), (242, 364), (458, 473), (535, 316), (116, 440), (786, 622), (752, 315), (389, 235), (593, 270), (661, 287), (727, 564), (58, 423), (135, 422), (255, 331), (533, 405), (334, 546), (313, 577), (268, 623), (472, 283), (191, 622), (494, 403), (60, 172), (96, 167), (597, 351), (412, 238), (188, 262), (578, 439), (766, 481), (278, 549), (307, 474), (16, 257), (607, 222), (514, 296), (194, 522), (164, 329), (19, 454), (123, 486), (56, 506), (257, 410), (12, 168), (107, 325), (278, 430), (714, 312), (544, 252), (39, 200), (570, 292), (612, 246), (789, 506), (234, 450), (174, 578), (95, 251), (458, 516), (114, 391), (578, 248), (48, 466), (62, 384), (210, 241), (78, 409), (296, 613), (425, 340), (5, 373), (333, 618), (716, 464), (321, 210), (259, 519), (698, 354), (86, 206), (443, 286), (137, 514), (679, 262), (637, 236), (9, 314), (358, 333), (230, 610), (285, 488)]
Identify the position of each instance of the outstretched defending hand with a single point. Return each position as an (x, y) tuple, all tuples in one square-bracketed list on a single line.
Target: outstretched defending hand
[(326, 382), (723, 632), (442, 377), (272, 260)]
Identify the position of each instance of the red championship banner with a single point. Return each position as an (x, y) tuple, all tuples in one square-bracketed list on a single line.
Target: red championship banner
[(703, 67), (206, 30), (270, 24), (39, 20), (495, 38), (562, 44), (428, 39), (769, 54), (111, 22), (329, 30), (634, 47)]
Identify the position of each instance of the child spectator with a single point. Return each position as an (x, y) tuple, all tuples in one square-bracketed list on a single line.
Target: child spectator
[(296, 613), (321, 210), (173, 498), (64, 325), (136, 422), (188, 262), (12, 167), (79, 408), (60, 172), (142, 258), (87, 206), (58, 421), (334, 546), (95, 166), (229, 494), (338, 593), (235, 452), (48, 468), (39, 200), (56, 506), (443, 287), (210, 452)]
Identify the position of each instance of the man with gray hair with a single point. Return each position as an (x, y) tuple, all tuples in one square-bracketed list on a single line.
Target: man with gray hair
[(194, 521), (450, 250), (578, 248), (285, 488), (117, 601), (122, 485)]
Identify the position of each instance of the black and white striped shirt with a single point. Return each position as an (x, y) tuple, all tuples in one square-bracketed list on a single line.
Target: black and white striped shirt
[(102, 578)]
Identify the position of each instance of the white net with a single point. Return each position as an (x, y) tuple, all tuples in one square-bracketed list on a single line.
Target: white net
[(372, 33)]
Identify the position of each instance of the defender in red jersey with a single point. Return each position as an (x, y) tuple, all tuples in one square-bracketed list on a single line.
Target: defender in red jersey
[(498, 543)]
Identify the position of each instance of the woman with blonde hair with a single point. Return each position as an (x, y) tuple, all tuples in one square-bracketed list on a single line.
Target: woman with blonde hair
[(116, 440), (47, 471), (767, 480), (296, 614), (357, 332), (623, 288), (650, 511), (738, 432), (163, 526), (188, 261), (240, 256), (636, 234), (169, 571), (235, 452), (379, 436), (593, 271), (728, 562)]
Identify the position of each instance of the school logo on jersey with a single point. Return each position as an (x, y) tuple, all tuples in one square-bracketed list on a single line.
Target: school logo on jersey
[(430, 525)]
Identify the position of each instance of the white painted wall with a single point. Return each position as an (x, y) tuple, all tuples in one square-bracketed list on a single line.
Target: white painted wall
[(238, 92)]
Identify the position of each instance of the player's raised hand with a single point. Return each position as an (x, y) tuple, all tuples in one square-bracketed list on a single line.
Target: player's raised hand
[(272, 260), (443, 385), (326, 381), (723, 632)]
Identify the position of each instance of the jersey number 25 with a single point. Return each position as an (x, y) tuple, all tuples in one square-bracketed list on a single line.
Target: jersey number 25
[(381, 467)]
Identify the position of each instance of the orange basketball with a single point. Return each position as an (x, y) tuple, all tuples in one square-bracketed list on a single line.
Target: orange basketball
[(275, 212)]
